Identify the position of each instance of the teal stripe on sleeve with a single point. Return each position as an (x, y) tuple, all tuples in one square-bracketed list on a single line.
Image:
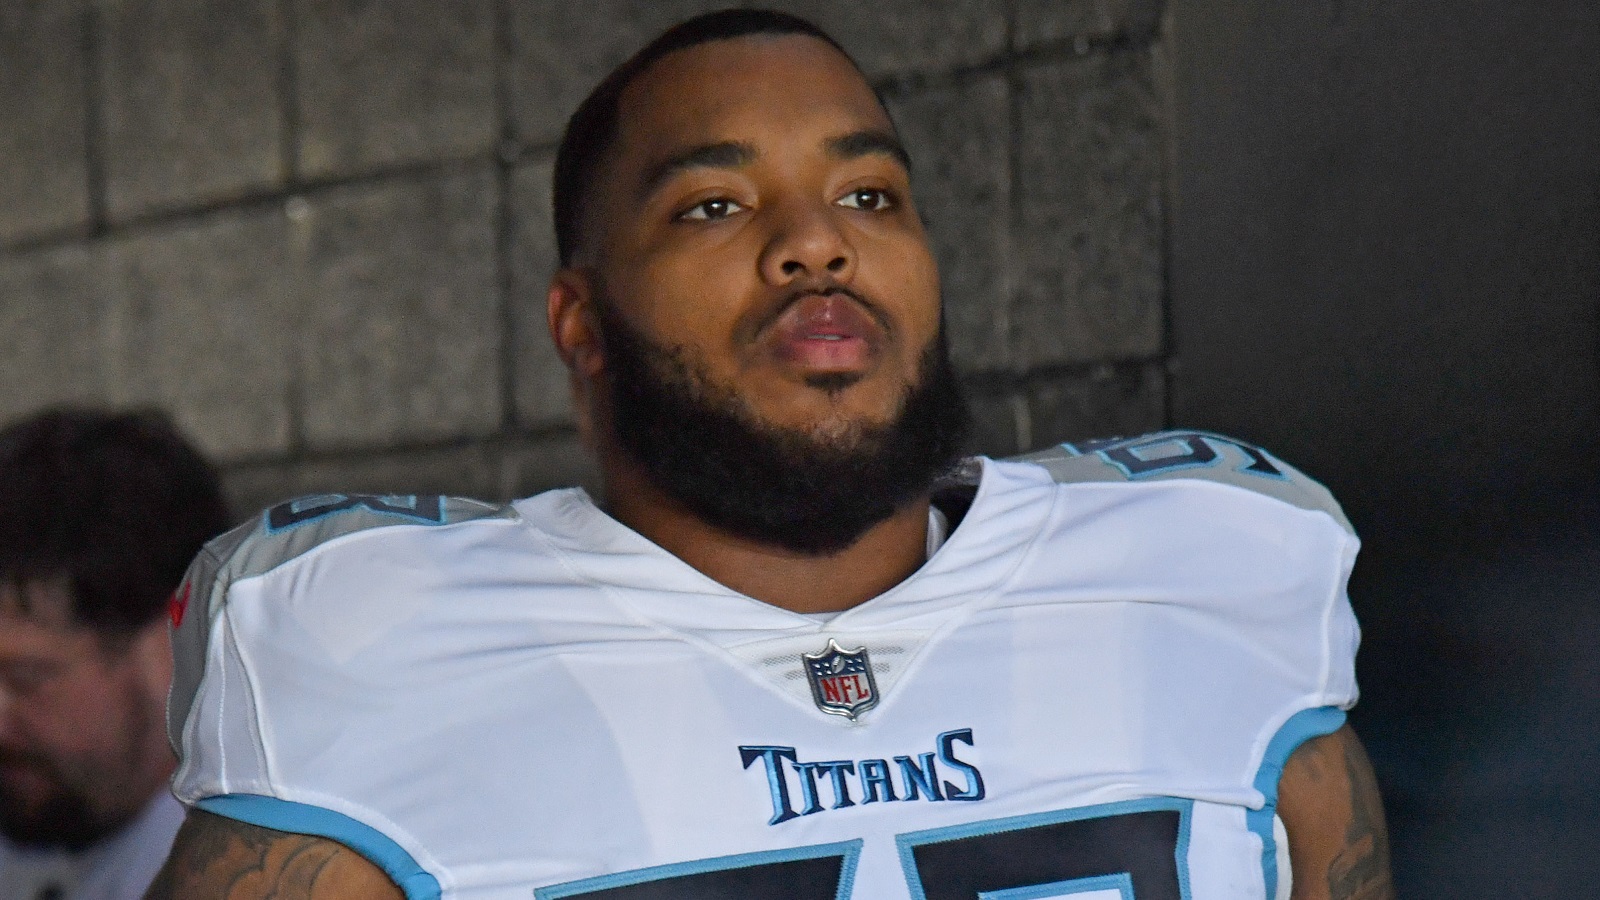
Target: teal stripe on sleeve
[(301, 818), (1301, 727)]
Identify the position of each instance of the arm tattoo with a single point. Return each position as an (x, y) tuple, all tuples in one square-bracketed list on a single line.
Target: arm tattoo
[(217, 857), (1360, 871)]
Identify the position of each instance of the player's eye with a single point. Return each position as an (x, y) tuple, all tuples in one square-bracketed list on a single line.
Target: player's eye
[(867, 199), (710, 210)]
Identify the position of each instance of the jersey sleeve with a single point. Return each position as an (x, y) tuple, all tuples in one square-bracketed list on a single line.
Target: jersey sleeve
[(1305, 639), (1167, 455), (240, 659)]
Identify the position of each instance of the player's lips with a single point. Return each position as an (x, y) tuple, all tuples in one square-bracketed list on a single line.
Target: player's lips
[(829, 332)]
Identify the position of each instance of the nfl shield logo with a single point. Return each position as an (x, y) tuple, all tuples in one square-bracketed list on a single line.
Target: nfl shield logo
[(841, 680)]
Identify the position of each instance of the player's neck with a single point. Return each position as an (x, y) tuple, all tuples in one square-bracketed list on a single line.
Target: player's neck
[(880, 559)]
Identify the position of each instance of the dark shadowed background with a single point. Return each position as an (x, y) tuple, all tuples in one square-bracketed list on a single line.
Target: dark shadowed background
[(1363, 234)]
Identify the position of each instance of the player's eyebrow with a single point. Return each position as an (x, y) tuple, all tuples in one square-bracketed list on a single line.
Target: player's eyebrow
[(723, 155), (869, 142)]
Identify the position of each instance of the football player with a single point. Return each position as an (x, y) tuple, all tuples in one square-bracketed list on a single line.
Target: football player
[(795, 649)]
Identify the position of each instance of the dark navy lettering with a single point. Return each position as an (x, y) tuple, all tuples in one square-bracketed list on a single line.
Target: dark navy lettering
[(875, 782), (920, 780), (776, 783), (826, 784), (1171, 450), (427, 510), (947, 755)]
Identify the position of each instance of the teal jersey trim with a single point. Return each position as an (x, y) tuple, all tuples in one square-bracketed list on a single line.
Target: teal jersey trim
[(847, 852), (301, 818), (1121, 882), (909, 842), (1301, 727)]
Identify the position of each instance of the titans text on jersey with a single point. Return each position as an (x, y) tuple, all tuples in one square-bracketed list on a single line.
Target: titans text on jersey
[(871, 780), (1088, 690)]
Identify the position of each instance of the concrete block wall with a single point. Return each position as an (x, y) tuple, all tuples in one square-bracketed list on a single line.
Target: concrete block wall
[(317, 231)]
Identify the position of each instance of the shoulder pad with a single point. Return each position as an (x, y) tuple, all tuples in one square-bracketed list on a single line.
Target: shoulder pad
[(275, 537), (1169, 455), (293, 527)]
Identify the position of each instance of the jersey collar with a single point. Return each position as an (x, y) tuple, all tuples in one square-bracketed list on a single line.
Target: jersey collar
[(1010, 507)]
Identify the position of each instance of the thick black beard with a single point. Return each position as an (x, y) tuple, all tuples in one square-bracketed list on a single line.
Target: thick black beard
[(66, 820), (701, 445)]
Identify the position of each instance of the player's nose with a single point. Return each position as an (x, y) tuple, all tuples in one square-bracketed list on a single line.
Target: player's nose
[(807, 241)]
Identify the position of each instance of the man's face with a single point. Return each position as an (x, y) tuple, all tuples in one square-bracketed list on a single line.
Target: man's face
[(756, 219), (78, 724)]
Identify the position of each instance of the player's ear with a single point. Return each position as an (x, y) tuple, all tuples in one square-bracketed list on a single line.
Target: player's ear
[(575, 329), (573, 326), (150, 652)]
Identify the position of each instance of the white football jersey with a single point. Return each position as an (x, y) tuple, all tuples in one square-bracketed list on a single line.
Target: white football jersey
[(1088, 691)]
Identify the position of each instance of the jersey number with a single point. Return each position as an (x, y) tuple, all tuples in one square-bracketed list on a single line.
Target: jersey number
[(1127, 851), (1169, 451)]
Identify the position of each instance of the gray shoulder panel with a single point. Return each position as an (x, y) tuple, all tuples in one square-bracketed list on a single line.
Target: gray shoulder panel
[(294, 527), (269, 540), (1168, 455)]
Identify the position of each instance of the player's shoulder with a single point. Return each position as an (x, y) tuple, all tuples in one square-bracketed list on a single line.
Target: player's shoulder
[(380, 531), (1167, 456), (296, 528)]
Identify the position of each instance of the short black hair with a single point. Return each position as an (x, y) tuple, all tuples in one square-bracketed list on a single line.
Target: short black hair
[(593, 127), (114, 503)]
